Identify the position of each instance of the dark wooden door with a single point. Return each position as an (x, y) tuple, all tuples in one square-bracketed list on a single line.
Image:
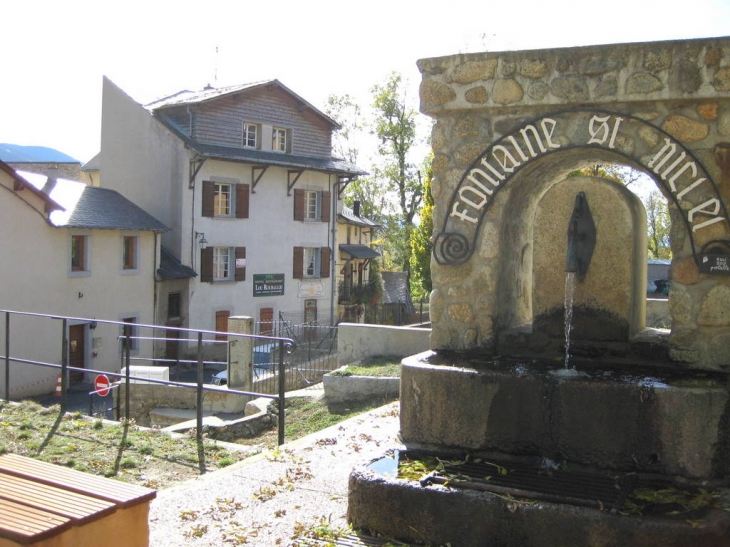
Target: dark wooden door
[(77, 351), (266, 320)]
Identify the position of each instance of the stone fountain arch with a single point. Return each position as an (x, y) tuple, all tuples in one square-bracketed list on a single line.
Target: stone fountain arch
[(639, 404), (516, 122)]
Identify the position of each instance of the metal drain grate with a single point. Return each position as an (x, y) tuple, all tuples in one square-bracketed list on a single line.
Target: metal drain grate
[(530, 481), (353, 540)]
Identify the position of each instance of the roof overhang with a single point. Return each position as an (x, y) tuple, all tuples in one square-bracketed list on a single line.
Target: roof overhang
[(359, 251)]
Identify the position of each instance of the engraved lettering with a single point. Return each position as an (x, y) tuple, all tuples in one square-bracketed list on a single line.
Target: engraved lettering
[(549, 134), (462, 214), (507, 157), (536, 135)]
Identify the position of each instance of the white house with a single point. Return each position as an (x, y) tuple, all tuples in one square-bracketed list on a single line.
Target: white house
[(354, 236), (71, 250), (245, 178)]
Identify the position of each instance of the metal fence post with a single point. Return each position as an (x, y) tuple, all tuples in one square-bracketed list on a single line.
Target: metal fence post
[(282, 392), (7, 356), (127, 349), (199, 432), (64, 364)]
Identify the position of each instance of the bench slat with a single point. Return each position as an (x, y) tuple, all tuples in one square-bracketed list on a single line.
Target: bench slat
[(124, 495), (24, 525), (77, 507)]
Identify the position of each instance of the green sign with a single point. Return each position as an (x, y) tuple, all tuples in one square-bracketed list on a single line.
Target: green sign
[(268, 284)]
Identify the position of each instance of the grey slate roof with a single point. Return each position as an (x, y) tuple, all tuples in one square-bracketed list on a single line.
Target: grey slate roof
[(172, 268), (104, 209), (337, 165), (395, 289), (91, 207), (348, 215), (359, 251), (187, 97)]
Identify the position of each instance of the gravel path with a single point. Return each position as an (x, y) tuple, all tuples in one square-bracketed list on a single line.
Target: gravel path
[(276, 498)]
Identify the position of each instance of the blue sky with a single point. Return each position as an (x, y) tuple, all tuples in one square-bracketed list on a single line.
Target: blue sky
[(56, 52)]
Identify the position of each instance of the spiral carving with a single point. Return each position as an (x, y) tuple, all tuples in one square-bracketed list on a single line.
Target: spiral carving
[(453, 248)]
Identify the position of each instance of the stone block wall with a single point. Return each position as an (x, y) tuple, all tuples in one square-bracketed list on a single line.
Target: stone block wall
[(635, 104)]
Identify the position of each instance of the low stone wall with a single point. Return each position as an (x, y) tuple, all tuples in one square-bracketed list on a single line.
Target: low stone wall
[(356, 342), (342, 389), (143, 398)]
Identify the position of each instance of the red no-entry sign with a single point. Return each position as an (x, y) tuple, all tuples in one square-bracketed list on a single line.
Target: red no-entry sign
[(101, 385)]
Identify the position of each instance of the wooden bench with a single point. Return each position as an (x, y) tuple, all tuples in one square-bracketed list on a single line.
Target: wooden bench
[(45, 504)]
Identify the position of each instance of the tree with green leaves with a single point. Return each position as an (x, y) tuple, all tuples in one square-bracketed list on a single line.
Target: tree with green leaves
[(395, 127), (345, 112), (658, 225), (421, 243)]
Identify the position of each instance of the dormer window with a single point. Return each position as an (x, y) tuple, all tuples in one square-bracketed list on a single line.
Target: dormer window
[(250, 135), (278, 139)]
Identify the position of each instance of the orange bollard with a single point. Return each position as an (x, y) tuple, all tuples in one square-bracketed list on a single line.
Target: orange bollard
[(59, 387)]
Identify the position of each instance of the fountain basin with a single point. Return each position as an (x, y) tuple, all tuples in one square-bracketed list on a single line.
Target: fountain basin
[(440, 515), (623, 418)]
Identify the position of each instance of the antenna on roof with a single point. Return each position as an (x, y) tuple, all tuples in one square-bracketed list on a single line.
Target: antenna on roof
[(215, 67)]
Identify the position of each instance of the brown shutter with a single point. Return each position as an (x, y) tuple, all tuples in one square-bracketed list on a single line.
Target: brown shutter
[(242, 193), (324, 262), (298, 204), (208, 191), (298, 263), (326, 201), (206, 265), (240, 274)]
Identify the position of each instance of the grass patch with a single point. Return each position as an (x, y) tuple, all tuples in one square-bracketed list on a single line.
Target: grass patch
[(380, 367), (117, 450), (148, 457)]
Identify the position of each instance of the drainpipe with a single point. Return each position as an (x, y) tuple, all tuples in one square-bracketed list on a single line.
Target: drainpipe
[(333, 273)]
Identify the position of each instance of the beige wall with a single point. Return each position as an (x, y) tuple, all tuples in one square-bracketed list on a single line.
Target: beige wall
[(356, 342), (35, 274)]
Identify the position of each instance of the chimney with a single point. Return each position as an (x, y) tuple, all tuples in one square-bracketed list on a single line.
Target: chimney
[(356, 208)]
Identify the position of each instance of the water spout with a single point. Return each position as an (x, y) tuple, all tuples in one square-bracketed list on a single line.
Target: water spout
[(581, 238)]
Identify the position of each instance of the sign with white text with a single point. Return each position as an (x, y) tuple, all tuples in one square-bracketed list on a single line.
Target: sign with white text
[(268, 284)]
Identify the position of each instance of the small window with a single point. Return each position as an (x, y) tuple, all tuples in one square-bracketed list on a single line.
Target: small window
[(311, 262), (174, 305), (222, 270), (129, 252), (311, 205), (250, 135), (278, 140), (222, 195), (79, 252), (225, 200)]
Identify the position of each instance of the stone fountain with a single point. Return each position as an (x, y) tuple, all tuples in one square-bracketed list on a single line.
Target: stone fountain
[(563, 451)]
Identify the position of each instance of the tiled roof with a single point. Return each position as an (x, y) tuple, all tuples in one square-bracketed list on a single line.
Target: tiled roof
[(91, 207), (172, 268)]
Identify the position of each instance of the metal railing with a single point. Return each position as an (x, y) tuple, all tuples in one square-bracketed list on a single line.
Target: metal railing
[(281, 344)]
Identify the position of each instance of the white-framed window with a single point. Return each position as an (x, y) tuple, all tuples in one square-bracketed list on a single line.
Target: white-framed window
[(278, 139), (79, 255), (222, 263), (311, 205), (130, 253), (250, 135), (311, 262), (222, 199)]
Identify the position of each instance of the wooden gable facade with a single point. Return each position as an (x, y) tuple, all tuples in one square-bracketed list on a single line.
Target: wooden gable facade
[(219, 121)]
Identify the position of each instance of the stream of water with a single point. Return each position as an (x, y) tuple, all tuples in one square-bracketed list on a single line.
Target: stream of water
[(569, 294)]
